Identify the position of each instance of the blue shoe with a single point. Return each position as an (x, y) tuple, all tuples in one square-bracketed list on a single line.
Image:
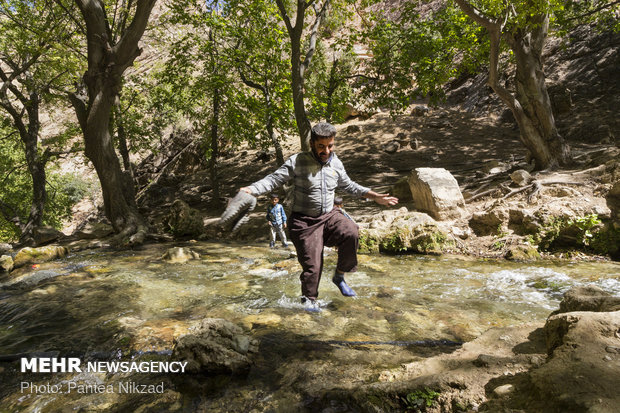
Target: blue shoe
[(347, 291), (310, 304)]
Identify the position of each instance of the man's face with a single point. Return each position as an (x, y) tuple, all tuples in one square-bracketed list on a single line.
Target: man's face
[(322, 147)]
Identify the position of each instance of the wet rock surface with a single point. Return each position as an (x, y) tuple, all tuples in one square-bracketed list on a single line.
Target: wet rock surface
[(216, 346)]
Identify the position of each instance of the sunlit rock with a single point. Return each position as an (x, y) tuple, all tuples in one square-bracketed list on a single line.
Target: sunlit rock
[(38, 255), (6, 263), (436, 192), (522, 253), (489, 222), (588, 298), (180, 255), (411, 232), (521, 177)]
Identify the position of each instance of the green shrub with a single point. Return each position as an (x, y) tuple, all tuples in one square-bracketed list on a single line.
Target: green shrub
[(419, 400)]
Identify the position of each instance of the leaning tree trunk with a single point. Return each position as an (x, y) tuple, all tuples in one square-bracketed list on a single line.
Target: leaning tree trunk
[(29, 135), (106, 64), (299, 66), (297, 84), (215, 147), (530, 103), (36, 166), (534, 114)]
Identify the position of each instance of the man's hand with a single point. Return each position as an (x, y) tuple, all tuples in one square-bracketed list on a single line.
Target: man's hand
[(246, 189), (382, 199)]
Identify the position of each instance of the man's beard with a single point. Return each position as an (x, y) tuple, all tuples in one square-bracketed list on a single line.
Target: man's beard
[(318, 156)]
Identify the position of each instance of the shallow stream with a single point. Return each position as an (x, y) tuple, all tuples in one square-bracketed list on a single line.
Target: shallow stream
[(123, 305)]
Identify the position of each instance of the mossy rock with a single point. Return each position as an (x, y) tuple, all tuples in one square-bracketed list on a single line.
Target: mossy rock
[(406, 234), (606, 241), (38, 255), (522, 253), (368, 242)]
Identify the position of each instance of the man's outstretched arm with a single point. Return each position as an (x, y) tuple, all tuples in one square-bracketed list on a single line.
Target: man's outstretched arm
[(382, 199)]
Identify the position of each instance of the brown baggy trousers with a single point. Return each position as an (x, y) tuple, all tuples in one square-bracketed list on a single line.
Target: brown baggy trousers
[(310, 234)]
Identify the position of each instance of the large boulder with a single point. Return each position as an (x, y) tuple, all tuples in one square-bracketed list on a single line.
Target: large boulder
[(184, 220), (215, 346), (436, 192), (38, 255), (582, 372), (402, 231)]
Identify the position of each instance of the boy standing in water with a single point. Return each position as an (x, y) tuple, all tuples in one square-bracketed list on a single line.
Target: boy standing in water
[(276, 217)]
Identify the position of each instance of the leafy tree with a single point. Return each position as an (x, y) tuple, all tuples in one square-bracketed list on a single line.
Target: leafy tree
[(108, 57), (302, 57), (329, 89), (258, 55), (414, 55), (34, 65), (201, 79)]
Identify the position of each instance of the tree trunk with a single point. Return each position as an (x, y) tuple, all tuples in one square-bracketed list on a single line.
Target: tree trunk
[(29, 135), (297, 84), (36, 167), (117, 188), (215, 182), (270, 130), (299, 66), (534, 115), (106, 65)]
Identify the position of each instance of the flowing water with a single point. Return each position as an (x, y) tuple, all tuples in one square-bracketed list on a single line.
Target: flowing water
[(124, 305)]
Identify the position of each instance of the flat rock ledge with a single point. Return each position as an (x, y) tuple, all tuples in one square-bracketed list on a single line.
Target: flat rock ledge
[(569, 364)]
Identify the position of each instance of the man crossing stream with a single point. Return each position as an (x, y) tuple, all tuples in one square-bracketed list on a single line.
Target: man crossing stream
[(314, 223)]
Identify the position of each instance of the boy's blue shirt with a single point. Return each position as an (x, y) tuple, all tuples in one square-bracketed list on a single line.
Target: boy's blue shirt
[(276, 214)]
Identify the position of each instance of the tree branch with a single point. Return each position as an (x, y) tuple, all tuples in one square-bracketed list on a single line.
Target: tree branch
[(475, 14), (284, 15), (313, 35), (127, 48)]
